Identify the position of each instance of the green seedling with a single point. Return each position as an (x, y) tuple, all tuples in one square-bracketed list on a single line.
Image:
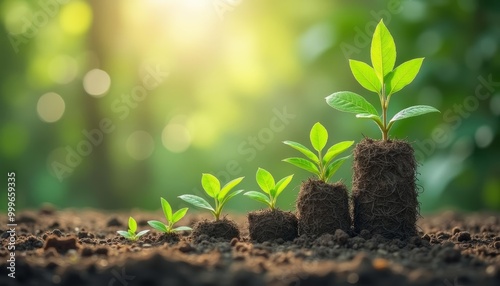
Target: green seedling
[(171, 217), (320, 164), (383, 79), (132, 228), (271, 189), (211, 185)]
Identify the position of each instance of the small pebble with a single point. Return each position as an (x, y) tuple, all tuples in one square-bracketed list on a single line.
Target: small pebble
[(463, 236)]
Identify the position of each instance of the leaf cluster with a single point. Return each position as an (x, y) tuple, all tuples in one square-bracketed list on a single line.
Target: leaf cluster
[(212, 187), (383, 79), (132, 228), (320, 164), (271, 189), (171, 217)]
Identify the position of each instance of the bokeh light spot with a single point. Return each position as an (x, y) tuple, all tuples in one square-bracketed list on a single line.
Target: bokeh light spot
[(429, 42), (140, 145), (176, 138), (75, 17), (14, 13), (63, 69), (96, 82), (50, 107), (484, 136), (495, 104)]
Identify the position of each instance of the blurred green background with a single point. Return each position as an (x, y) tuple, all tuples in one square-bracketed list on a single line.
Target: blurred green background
[(112, 104)]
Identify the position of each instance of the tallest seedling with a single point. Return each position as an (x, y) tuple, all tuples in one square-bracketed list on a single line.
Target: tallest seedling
[(383, 79), (384, 192)]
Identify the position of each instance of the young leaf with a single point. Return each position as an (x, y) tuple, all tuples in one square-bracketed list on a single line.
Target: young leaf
[(365, 75), (403, 75), (141, 233), (178, 215), (228, 197), (334, 166), (318, 136), (265, 180), (347, 101), (167, 209), (335, 150), (125, 234), (303, 149), (181, 228), (158, 225), (132, 224), (258, 196), (210, 184), (304, 164), (228, 187), (197, 201), (281, 185), (383, 51), (413, 111)]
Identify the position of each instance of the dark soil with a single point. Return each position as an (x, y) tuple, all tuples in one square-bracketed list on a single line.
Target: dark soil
[(323, 208), (74, 248), (269, 225), (384, 192), (224, 229)]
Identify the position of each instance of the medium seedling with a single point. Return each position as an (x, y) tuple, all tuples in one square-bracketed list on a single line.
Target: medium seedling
[(267, 184), (320, 164), (211, 185), (132, 228), (171, 217), (383, 79)]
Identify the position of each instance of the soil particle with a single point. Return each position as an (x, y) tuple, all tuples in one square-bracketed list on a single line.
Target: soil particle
[(61, 245), (384, 192), (225, 229), (463, 236), (322, 208), (114, 222), (269, 225)]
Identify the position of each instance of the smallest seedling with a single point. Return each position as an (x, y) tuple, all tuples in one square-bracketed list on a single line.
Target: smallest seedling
[(132, 228), (172, 219), (267, 184)]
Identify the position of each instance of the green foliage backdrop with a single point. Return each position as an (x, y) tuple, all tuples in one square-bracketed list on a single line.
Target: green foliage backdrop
[(112, 104)]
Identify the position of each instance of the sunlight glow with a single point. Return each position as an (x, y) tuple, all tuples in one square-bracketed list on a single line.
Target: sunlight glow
[(75, 17), (140, 145)]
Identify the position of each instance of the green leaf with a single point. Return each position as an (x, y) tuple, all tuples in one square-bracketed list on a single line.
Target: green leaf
[(125, 234), (228, 187), (403, 75), (210, 184), (413, 111), (347, 101), (281, 185), (158, 225), (365, 75), (318, 136), (132, 224), (228, 197), (265, 180), (333, 167), (303, 149), (178, 215), (335, 150), (167, 209), (141, 233), (197, 202), (182, 228), (383, 51), (258, 196), (304, 164)]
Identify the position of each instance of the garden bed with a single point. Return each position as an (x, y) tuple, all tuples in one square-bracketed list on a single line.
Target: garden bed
[(82, 248)]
